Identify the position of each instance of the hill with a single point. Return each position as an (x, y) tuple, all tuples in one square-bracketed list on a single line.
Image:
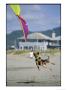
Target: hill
[(12, 37)]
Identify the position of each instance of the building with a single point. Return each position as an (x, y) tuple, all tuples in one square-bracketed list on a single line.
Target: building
[(38, 41), (56, 41)]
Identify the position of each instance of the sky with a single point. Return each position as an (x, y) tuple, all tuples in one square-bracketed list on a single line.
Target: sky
[(38, 17)]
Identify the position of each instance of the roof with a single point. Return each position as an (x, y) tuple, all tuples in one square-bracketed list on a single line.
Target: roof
[(57, 38), (37, 36)]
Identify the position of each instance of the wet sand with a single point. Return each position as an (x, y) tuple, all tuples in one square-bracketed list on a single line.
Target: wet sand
[(22, 71)]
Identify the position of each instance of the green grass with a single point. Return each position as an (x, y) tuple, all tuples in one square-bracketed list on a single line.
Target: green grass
[(52, 51), (47, 52), (9, 51), (20, 52), (15, 52)]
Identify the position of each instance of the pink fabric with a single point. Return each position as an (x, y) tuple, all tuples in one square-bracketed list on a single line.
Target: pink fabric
[(25, 26)]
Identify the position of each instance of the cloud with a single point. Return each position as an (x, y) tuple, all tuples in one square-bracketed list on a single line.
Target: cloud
[(36, 17), (33, 16), (36, 7)]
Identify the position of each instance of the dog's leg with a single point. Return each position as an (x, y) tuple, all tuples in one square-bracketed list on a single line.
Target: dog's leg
[(41, 63), (44, 66), (37, 65)]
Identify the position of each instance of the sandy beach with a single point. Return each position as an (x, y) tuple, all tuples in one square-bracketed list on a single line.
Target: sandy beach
[(22, 71)]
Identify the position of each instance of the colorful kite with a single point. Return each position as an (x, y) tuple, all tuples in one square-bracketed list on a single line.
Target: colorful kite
[(16, 10)]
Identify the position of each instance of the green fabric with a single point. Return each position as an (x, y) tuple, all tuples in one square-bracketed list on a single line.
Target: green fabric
[(15, 8)]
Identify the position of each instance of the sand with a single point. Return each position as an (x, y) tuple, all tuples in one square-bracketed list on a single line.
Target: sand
[(22, 71)]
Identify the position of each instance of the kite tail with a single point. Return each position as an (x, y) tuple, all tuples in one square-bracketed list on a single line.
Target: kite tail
[(24, 26)]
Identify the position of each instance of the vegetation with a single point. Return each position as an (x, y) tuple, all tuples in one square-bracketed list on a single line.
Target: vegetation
[(47, 52), (10, 51), (15, 52), (21, 52), (52, 51)]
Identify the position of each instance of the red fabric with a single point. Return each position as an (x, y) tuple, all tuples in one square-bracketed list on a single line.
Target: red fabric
[(25, 26)]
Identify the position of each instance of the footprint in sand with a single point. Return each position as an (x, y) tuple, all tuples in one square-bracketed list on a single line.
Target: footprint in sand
[(50, 69), (53, 63)]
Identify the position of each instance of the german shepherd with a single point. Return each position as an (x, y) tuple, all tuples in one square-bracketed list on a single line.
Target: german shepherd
[(40, 61)]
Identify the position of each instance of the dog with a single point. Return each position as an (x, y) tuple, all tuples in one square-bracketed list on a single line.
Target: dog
[(39, 60), (45, 61)]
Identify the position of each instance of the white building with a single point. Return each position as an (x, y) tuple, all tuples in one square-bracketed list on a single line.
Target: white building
[(38, 41)]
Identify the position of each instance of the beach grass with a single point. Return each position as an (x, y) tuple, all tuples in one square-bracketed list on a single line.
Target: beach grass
[(15, 52), (21, 51), (47, 52), (52, 51), (9, 51)]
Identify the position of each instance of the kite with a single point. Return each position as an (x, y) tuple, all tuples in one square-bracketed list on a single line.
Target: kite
[(24, 26), (15, 8)]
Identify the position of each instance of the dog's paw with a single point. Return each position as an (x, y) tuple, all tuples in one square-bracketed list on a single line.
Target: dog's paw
[(44, 66)]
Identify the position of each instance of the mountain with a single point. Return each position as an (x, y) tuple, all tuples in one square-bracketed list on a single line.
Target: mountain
[(12, 37), (49, 32)]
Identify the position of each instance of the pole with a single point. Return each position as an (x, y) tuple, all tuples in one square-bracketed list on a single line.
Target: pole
[(37, 41)]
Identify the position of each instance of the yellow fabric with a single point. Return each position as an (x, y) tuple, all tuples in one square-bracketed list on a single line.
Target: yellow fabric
[(15, 8)]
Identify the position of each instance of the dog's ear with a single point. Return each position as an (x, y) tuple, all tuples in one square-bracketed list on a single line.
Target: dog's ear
[(37, 53), (34, 54)]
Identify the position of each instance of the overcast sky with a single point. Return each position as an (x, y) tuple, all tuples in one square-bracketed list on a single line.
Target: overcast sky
[(38, 17)]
